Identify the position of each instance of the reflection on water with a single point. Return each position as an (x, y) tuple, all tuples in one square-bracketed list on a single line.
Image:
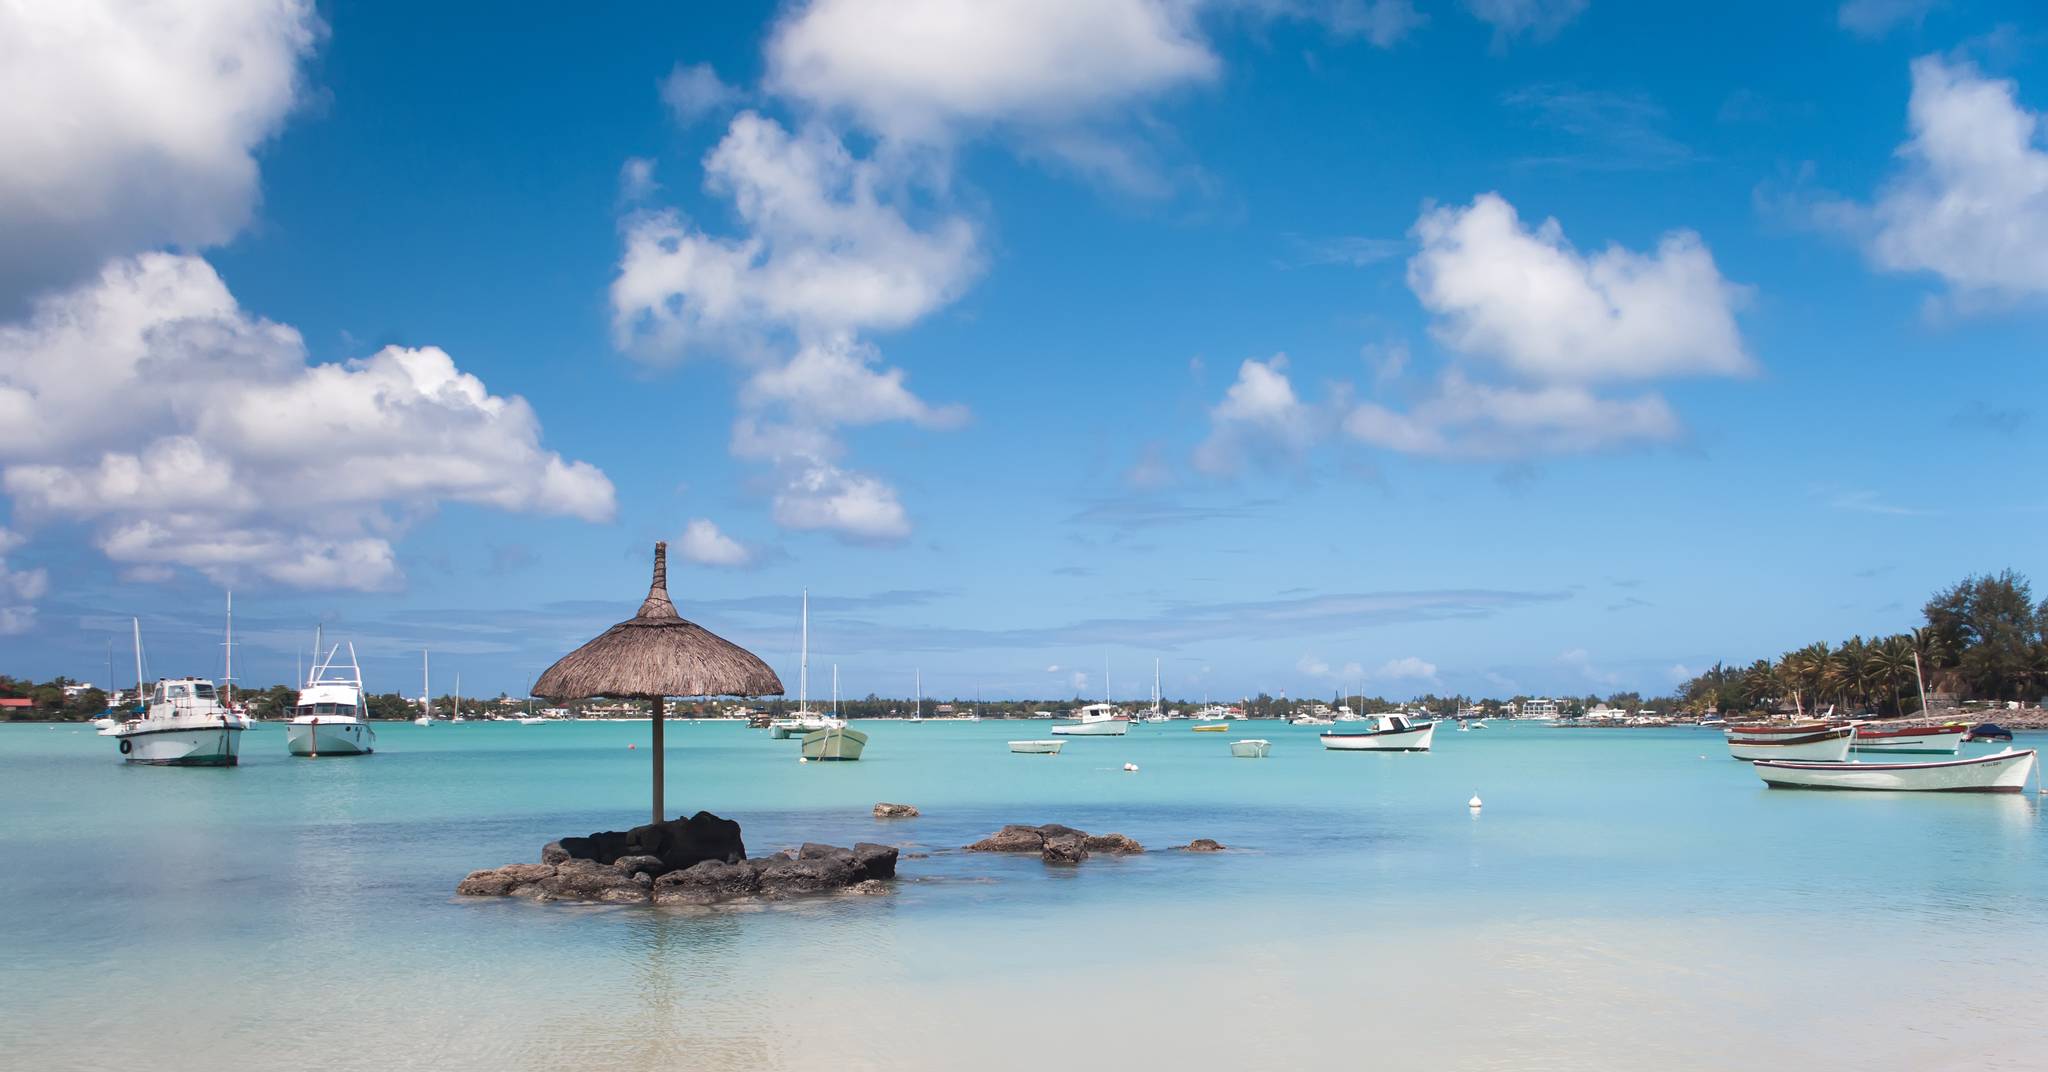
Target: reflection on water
[(1621, 904)]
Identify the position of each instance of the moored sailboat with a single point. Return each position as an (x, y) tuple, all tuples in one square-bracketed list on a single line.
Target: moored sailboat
[(828, 738)]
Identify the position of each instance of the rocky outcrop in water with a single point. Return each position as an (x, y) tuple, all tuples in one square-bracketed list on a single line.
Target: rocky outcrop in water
[(895, 811), (696, 861), (1202, 844), (1054, 843)]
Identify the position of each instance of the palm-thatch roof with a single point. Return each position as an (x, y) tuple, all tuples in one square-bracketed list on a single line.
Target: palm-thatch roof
[(657, 653)]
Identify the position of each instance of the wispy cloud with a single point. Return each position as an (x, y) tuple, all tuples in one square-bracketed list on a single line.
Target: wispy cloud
[(1350, 251), (1601, 130), (1864, 501)]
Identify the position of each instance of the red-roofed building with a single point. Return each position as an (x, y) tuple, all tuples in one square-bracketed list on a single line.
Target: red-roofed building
[(10, 704)]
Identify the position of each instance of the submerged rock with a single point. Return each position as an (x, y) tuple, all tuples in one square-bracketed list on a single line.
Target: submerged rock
[(1116, 844), (1203, 844), (1013, 838), (500, 882), (895, 811), (1020, 838)]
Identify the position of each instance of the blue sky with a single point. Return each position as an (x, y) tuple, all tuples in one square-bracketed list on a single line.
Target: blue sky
[(1236, 334)]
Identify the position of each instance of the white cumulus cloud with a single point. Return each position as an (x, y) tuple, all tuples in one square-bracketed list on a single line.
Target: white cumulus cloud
[(1260, 418), (1407, 668), (705, 544), (920, 70), (1969, 202), (129, 124), (1529, 301), (188, 433), (1874, 18), (19, 589), (827, 245)]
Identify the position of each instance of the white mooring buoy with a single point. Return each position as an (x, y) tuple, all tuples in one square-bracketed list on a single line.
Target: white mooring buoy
[(1473, 803), (1130, 768)]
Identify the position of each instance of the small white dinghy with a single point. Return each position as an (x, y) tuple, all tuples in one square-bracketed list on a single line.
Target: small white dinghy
[(1252, 748), (2003, 772), (1824, 746), (1037, 748)]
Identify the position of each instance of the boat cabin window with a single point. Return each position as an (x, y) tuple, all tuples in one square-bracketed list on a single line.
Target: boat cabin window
[(176, 692), (204, 692)]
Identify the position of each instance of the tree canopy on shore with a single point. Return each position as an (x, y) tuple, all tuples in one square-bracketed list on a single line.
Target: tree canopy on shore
[(1984, 638)]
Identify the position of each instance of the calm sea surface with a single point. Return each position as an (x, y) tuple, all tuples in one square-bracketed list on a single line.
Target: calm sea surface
[(1626, 899)]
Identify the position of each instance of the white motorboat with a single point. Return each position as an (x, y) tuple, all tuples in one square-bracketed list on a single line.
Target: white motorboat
[(1095, 720), (1922, 740), (1037, 748), (1311, 720), (184, 725), (1820, 746), (2003, 772), (1390, 733), (332, 715), (1251, 748)]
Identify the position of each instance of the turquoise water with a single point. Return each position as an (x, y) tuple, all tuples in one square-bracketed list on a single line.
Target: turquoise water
[(1625, 899)]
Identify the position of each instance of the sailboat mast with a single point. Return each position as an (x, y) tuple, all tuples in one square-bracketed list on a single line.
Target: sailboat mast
[(228, 679), (458, 695), (918, 688), (139, 701), (426, 690), (835, 690), (1155, 686), (803, 671), (1922, 683)]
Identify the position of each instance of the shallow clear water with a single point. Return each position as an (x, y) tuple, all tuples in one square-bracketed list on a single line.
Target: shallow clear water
[(1626, 898)]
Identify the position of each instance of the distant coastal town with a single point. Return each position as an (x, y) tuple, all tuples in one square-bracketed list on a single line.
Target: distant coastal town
[(1983, 646)]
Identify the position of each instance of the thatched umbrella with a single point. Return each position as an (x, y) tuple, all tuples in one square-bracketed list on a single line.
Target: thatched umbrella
[(654, 655)]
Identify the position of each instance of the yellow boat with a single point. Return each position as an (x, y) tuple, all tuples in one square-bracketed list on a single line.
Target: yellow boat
[(1210, 727)]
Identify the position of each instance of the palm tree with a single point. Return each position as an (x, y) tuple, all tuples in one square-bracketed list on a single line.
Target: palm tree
[(1892, 659), (1763, 684)]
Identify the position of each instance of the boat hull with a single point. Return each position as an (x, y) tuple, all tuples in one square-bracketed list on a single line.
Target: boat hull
[(1414, 739), (2004, 772), (834, 743), (1828, 746), (1252, 749), (1211, 727), (203, 746), (315, 739), (1108, 728), (1037, 748), (1943, 741)]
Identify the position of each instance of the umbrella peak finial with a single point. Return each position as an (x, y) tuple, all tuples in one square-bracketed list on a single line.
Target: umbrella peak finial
[(658, 604)]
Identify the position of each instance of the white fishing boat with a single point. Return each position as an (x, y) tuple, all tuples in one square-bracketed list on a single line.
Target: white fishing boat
[(2003, 772), (1919, 740), (1311, 720), (1251, 748), (332, 715), (1390, 733), (1037, 748), (1095, 720), (184, 725), (1821, 746)]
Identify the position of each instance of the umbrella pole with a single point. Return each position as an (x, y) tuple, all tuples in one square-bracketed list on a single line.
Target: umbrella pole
[(657, 759)]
